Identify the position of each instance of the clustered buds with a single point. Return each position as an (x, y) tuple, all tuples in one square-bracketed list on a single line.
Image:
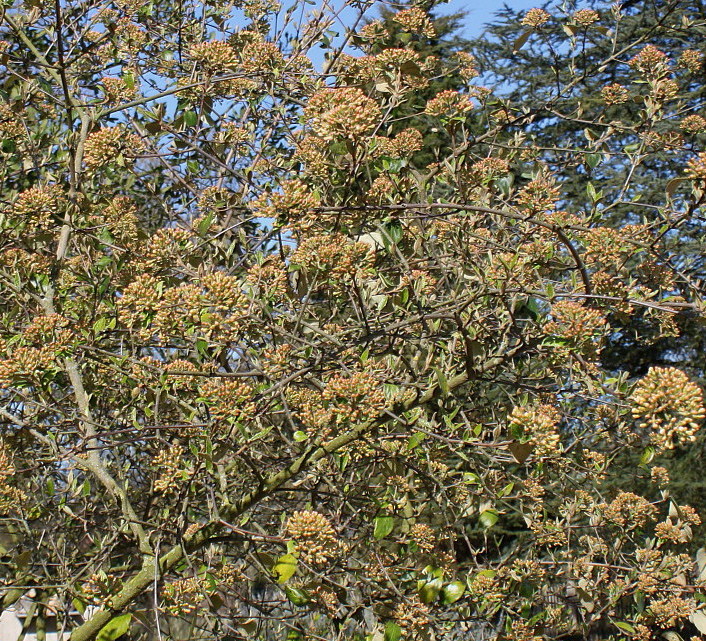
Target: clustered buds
[(413, 618), (36, 207), (315, 538), (538, 425), (535, 18), (448, 104), (169, 463), (415, 20), (696, 168), (344, 112), (650, 61), (10, 496), (110, 144), (667, 403), (585, 17), (615, 94), (229, 400)]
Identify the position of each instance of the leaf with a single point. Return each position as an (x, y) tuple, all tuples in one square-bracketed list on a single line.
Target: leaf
[(300, 436), (488, 518), (520, 451), (115, 628), (285, 568), (443, 382), (624, 626), (698, 618), (393, 632), (452, 592), (429, 590), (517, 45), (383, 526), (297, 596), (673, 185)]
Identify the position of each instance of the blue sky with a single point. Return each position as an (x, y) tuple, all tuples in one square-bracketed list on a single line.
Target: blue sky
[(482, 11)]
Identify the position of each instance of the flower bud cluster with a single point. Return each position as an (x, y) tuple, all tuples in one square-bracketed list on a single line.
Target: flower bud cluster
[(344, 112), (214, 56), (36, 207), (585, 17), (333, 257), (650, 62), (11, 497), (538, 425), (538, 195), (229, 400), (110, 144), (413, 617), (315, 538), (416, 21), (629, 511), (693, 124), (691, 60), (119, 90), (668, 404), (535, 18), (448, 104), (169, 464), (615, 94)]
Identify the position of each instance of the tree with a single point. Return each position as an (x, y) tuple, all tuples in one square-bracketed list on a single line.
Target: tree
[(574, 100), (264, 374)]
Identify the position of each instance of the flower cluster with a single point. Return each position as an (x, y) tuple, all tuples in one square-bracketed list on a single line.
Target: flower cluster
[(583, 328), (413, 617), (467, 65), (120, 218), (585, 17), (667, 403), (110, 144), (292, 207), (696, 168), (229, 400), (615, 94), (416, 21), (448, 104), (214, 56), (650, 61), (331, 256), (36, 207), (344, 112), (10, 496), (169, 463), (538, 195), (629, 511), (535, 18), (693, 124), (537, 424), (315, 538), (261, 57), (118, 90), (691, 60), (403, 145), (356, 398), (184, 596)]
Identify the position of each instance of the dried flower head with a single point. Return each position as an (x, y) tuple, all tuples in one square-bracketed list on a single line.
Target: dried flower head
[(667, 403)]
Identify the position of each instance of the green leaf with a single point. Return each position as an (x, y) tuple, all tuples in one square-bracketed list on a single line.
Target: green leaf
[(383, 526), (300, 436), (624, 626), (297, 596), (393, 632), (517, 45), (443, 382), (191, 119), (285, 568), (429, 590), (115, 628), (452, 592), (488, 518), (592, 160)]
